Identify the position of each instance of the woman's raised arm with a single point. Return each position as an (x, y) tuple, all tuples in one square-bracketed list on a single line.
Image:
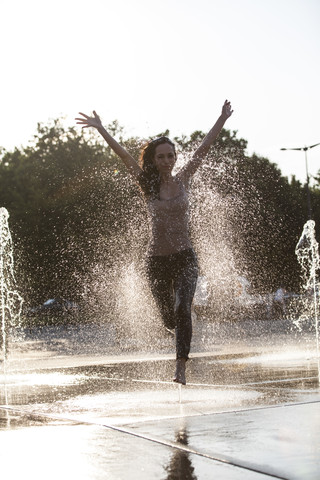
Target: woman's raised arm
[(125, 156), (208, 140)]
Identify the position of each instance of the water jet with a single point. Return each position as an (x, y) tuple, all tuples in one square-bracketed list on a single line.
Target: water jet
[(10, 300), (307, 251)]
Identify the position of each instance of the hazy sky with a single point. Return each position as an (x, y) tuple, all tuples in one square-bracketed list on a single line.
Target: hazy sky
[(164, 64)]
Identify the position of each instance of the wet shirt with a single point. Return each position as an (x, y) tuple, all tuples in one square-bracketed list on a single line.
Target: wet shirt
[(169, 224)]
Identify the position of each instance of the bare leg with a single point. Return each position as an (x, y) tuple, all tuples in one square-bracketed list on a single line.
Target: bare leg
[(180, 375)]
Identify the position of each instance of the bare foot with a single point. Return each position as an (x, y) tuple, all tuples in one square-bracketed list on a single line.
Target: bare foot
[(180, 375)]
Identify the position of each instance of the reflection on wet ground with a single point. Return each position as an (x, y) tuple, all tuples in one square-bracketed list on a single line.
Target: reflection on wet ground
[(245, 415)]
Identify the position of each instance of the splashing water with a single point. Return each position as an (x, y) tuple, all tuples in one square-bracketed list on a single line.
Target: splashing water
[(211, 230), (307, 251), (10, 300), (119, 287)]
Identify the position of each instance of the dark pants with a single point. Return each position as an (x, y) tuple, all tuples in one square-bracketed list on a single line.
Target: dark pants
[(173, 280)]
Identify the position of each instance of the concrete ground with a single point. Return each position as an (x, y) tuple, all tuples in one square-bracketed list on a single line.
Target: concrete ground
[(250, 410)]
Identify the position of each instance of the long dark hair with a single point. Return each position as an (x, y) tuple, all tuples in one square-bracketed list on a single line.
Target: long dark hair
[(149, 179)]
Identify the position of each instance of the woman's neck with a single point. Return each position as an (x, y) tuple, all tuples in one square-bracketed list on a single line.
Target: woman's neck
[(166, 178)]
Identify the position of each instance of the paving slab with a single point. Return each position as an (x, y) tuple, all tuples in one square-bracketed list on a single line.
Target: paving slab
[(93, 452)]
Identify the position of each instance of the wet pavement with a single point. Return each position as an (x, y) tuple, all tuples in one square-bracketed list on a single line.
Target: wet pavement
[(250, 410)]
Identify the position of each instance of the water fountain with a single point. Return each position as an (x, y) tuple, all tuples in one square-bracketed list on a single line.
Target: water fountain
[(307, 251), (10, 300)]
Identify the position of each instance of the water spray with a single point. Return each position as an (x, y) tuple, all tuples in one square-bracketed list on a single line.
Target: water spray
[(307, 251), (10, 300)]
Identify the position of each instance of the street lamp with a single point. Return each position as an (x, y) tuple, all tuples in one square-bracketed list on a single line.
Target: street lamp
[(305, 149)]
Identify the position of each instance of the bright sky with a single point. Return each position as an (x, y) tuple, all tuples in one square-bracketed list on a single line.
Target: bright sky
[(154, 65)]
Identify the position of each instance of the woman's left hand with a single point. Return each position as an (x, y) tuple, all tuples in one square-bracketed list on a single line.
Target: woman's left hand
[(227, 109), (87, 121)]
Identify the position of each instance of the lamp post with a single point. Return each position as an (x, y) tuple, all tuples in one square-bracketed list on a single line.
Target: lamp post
[(305, 149)]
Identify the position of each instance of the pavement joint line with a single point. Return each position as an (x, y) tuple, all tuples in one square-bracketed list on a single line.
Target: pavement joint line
[(225, 459), (215, 457), (102, 359), (222, 412), (236, 385), (209, 385), (281, 380)]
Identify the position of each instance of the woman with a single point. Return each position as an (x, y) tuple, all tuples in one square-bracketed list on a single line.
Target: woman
[(171, 265)]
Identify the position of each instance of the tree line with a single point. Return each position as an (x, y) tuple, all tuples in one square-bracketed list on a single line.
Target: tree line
[(70, 201)]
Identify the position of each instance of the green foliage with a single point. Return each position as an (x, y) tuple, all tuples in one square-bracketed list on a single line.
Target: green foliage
[(267, 222)]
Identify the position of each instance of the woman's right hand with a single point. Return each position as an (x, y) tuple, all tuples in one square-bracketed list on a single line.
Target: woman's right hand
[(125, 156), (87, 121)]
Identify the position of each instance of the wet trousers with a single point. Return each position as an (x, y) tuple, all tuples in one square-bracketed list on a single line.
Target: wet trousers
[(173, 280)]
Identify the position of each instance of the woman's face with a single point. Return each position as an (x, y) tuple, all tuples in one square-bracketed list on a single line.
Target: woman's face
[(164, 158)]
